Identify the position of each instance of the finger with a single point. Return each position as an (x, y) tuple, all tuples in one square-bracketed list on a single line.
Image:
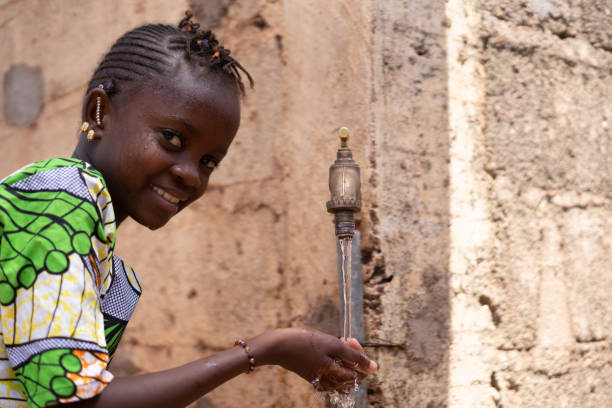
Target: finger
[(355, 359), (354, 344), (339, 378), (341, 372)]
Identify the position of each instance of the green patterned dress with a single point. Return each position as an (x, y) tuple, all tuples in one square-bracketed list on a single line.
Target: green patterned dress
[(65, 299)]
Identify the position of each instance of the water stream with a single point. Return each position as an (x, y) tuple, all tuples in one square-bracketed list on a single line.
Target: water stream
[(336, 399), (345, 250)]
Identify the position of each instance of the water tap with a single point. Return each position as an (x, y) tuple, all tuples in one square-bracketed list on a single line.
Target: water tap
[(345, 188)]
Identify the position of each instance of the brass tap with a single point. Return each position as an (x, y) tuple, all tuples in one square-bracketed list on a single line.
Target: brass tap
[(345, 188)]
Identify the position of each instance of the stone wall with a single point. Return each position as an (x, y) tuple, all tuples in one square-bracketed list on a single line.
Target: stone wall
[(482, 131)]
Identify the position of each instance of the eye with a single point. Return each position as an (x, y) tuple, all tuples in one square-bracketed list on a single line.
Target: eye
[(173, 138), (209, 162)]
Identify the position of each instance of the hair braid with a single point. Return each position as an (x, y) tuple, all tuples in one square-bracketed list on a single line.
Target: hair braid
[(203, 47), (151, 51)]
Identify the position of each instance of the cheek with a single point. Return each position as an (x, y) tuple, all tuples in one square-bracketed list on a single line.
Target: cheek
[(142, 158), (202, 190), (205, 178)]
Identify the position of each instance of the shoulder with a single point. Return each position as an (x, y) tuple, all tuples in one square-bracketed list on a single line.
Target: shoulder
[(61, 190), (55, 216), (52, 174)]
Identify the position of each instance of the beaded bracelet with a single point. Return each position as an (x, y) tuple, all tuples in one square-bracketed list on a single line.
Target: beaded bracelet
[(245, 346)]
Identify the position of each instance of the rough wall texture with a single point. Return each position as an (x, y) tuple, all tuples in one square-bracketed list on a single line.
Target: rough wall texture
[(545, 74), (407, 240), (482, 129)]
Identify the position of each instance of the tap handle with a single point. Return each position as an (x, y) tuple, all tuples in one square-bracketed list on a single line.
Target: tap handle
[(344, 136)]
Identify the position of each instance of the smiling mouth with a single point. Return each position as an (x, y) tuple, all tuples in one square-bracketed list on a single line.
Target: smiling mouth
[(166, 195)]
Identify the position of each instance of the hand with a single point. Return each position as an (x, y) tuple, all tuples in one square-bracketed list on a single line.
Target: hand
[(326, 361), (353, 343)]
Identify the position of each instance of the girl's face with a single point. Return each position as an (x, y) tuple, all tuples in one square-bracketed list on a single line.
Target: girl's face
[(162, 141)]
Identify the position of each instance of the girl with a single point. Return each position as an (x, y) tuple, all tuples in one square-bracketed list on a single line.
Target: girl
[(159, 115)]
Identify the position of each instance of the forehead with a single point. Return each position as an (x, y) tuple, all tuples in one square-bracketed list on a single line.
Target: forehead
[(204, 100)]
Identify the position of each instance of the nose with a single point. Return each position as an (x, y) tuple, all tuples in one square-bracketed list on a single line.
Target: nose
[(188, 173)]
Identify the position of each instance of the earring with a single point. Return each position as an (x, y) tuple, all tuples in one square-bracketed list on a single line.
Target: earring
[(98, 108), (86, 128)]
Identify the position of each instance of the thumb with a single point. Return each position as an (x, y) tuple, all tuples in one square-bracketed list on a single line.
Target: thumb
[(353, 357), (354, 344)]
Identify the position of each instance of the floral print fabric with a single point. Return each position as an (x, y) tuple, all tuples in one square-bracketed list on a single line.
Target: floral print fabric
[(65, 299)]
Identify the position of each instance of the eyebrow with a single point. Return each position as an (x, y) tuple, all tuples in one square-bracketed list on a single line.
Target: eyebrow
[(192, 129), (188, 125)]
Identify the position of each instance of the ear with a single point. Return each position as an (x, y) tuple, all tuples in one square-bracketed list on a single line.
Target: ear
[(94, 98)]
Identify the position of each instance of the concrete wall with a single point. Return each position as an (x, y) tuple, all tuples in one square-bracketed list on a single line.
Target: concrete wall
[(530, 292), (482, 130)]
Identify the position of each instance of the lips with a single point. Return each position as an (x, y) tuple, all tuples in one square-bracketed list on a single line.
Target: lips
[(166, 195)]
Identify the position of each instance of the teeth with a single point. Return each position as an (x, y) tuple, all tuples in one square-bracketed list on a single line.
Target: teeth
[(166, 195)]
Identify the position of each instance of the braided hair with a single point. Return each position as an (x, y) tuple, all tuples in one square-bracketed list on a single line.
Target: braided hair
[(151, 50)]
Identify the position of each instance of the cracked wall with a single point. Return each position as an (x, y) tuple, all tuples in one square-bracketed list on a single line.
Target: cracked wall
[(482, 131)]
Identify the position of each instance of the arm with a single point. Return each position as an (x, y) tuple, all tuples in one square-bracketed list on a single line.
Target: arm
[(308, 353)]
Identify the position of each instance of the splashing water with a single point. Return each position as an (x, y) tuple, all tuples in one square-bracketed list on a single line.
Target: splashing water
[(338, 400)]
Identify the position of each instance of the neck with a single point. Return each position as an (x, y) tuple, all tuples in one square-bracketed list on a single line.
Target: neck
[(81, 151)]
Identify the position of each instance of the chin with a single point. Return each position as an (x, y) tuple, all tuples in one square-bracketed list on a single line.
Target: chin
[(151, 223), (154, 227)]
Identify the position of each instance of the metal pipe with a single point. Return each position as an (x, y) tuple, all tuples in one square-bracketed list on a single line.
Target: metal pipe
[(345, 190)]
